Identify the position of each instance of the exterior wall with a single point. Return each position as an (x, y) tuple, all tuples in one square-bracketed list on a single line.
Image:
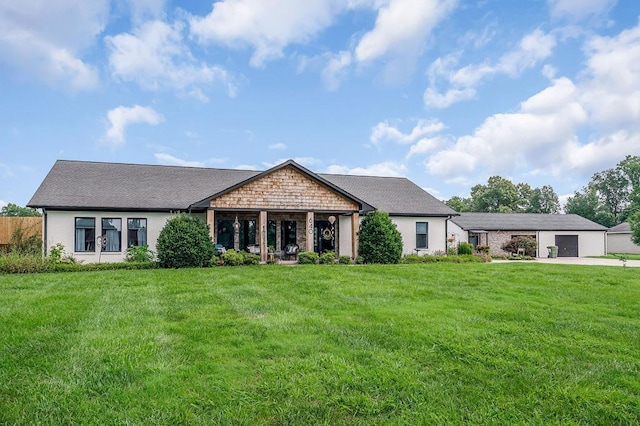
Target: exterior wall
[(590, 243), (621, 243), (497, 238), (344, 236), (60, 227), (436, 234), (456, 234), (284, 189)]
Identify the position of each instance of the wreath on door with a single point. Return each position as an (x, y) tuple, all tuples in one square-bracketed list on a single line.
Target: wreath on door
[(326, 234)]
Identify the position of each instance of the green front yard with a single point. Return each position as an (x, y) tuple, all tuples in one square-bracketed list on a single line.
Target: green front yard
[(403, 344)]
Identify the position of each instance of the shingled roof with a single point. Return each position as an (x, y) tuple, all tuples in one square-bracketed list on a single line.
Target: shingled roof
[(75, 185), (623, 228), (525, 222)]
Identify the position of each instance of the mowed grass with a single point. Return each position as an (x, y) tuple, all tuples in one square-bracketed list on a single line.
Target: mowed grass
[(519, 343)]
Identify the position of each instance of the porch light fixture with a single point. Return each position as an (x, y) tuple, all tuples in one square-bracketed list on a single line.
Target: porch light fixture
[(332, 219)]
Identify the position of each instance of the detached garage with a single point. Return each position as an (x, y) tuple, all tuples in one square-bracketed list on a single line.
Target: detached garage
[(619, 240), (574, 235)]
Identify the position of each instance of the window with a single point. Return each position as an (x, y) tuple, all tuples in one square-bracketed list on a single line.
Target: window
[(85, 234), (247, 233), (271, 233), (136, 232), (288, 232), (225, 233), (111, 234), (422, 235)]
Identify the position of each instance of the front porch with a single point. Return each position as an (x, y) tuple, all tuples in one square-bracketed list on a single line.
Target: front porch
[(264, 232)]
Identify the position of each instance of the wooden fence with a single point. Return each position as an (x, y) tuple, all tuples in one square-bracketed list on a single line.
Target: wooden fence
[(8, 225)]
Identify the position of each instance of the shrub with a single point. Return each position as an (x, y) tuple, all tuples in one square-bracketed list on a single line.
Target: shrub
[(344, 260), (327, 258), (380, 240), (139, 254), (527, 243), (250, 258), (184, 242), (14, 263), (308, 258), (57, 254), (483, 249), (465, 248), (232, 258), (24, 241)]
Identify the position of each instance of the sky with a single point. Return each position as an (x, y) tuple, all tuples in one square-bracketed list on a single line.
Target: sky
[(444, 92)]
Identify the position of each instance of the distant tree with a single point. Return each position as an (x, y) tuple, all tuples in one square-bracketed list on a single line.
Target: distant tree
[(498, 195), (634, 221), (13, 210), (543, 200), (459, 204), (524, 197), (585, 203), (379, 239)]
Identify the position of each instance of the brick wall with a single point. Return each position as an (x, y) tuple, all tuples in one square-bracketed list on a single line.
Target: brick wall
[(497, 238)]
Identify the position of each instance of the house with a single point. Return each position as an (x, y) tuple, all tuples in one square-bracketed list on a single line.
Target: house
[(619, 240), (96, 210), (574, 235)]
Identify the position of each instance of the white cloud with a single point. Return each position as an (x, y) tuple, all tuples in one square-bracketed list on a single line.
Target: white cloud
[(268, 26), (384, 131), (278, 145), (142, 10), (531, 50), (579, 9), (3, 203), (336, 69), (386, 168), (121, 117), (156, 57), (246, 167), (402, 26), (46, 41), (170, 160), (425, 145)]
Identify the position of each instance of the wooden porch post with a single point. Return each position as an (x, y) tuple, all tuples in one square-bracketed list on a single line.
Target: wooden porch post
[(309, 231), (355, 226), (211, 222), (262, 235)]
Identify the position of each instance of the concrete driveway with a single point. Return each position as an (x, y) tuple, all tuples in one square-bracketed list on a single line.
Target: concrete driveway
[(588, 261)]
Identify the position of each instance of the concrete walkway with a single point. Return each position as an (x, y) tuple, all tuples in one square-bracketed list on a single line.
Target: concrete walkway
[(588, 261)]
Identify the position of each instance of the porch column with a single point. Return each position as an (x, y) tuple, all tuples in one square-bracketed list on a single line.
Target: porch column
[(355, 226), (211, 222), (309, 231), (262, 235)]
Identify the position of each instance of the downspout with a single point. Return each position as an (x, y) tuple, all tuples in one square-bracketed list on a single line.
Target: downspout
[(44, 232), (446, 231)]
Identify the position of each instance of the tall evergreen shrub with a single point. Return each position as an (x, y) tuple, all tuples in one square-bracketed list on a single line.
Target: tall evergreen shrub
[(184, 242), (380, 240)]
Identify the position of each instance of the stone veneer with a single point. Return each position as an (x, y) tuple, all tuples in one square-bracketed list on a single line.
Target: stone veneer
[(284, 189), (497, 238)]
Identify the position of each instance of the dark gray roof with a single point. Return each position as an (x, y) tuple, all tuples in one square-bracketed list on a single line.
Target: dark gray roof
[(393, 195), (525, 222), (624, 227), (81, 184), (93, 185)]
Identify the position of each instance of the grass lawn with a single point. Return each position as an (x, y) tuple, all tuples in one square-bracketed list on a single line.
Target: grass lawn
[(617, 256), (496, 344)]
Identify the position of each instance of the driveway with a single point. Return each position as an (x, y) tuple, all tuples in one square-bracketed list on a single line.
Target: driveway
[(588, 261)]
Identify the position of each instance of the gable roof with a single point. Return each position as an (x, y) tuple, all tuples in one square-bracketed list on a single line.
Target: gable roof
[(289, 163), (525, 222), (623, 228), (75, 185)]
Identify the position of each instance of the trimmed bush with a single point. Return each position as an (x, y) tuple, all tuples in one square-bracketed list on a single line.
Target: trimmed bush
[(139, 254), (250, 258), (308, 258), (380, 240), (184, 242), (327, 258), (232, 258), (527, 243), (465, 248), (344, 260)]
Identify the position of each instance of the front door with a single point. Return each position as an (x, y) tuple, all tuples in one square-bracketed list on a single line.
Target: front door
[(325, 236)]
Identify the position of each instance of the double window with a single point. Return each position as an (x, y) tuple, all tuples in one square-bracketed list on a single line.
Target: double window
[(422, 235)]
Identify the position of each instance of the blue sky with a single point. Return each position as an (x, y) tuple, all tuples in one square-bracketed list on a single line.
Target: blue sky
[(444, 92)]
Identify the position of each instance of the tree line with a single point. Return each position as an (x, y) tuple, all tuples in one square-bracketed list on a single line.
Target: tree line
[(611, 197)]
